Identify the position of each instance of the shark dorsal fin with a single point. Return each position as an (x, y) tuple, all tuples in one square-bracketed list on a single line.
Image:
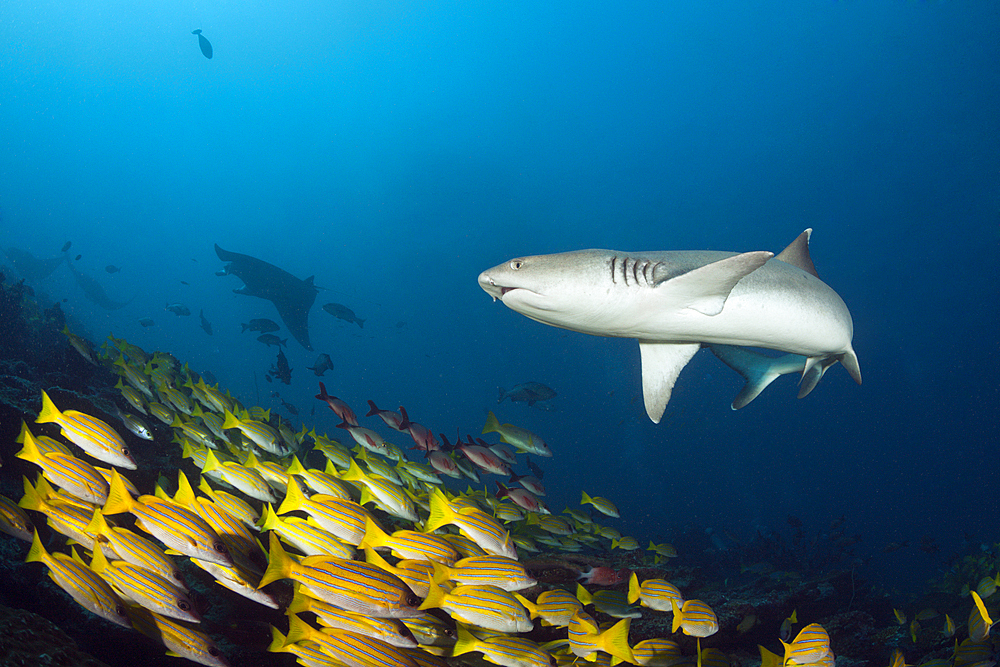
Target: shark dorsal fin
[(661, 364), (706, 288), (797, 253)]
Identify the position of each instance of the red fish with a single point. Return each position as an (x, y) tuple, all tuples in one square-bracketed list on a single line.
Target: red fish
[(604, 576), (420, 434), (342, 409)]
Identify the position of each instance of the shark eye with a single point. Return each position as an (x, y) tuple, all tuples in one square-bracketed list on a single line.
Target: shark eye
[(515, 264)]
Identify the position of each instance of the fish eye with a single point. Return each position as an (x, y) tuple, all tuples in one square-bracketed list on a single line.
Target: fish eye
[(515, 264), (448, 632), (212, 651), (412, 600), (125, 451), (220, 547), (120, 610)]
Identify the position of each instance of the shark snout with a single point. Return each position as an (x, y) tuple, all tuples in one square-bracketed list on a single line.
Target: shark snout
[(489, 286)]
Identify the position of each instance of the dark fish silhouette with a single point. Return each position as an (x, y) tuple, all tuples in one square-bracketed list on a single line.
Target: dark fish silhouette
[(93, 290), (291, 296), (111, 268), (178, 309), (280, 369), (261, 325), (271, 339), (528, 392), (322, 365), (29, 266), (342, 312), (78, 257), (206, 46), (66, 246), (205, 324), (146, 322)]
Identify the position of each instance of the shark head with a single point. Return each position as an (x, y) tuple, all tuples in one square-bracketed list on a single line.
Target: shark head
[(547, 288)]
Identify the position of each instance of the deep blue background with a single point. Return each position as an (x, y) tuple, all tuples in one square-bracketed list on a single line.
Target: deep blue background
[(396, 149)]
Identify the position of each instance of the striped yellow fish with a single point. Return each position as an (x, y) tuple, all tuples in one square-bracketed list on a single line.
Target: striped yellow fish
[(310, 539), (176, 526), (67, 519), (429, 630), (13, 520), (612, 603), (602, 505), (342, 518), (238, 580), (145, 588), (483, 606), (979, 619), (308, 653), (262, 435), (811, 645), (67, 472), (352, 585), (179, 639), (83, 584), (657, 652), (556, 607), (695, 618), (388, 496), (351, 649), (414, 573), (499, 571), (653, 593), (135, 549), (483, 529), (319, 481), (409, 544), (235, 505), (586, 638), (245, 479), (521, 438), (389, 630), (503, 650)]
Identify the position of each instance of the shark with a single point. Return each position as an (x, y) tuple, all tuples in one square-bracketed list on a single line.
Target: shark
[(675, 302), (291, 296)]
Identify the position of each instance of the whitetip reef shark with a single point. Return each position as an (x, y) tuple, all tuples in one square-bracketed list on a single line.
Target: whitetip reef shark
[(674, 302)]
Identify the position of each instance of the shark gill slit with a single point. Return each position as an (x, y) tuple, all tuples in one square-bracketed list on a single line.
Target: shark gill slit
[(614, 261)]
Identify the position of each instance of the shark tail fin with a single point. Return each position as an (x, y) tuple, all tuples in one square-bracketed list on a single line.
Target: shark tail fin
[(850, 361), (759, 370)]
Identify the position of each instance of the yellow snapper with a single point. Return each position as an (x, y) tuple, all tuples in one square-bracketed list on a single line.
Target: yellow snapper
[(88, 433), (179, 639), (521, 438), (586, 638), (812, 644), (343, 518), (310, 539), (555, 608), (476, 524), (657, 653), (351, 649), (388, 496), (602, 505), (348, 584), (409, 544), (135, 549), (83, 584), (146, 588), (13, 520), (695, 618), (483, 606), (653, 593), (389, 630), (69, 473), (503, 650), (499, 571), (176, 526)]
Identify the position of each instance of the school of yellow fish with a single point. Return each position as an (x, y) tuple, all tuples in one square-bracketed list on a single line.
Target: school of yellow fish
[(331, 533)]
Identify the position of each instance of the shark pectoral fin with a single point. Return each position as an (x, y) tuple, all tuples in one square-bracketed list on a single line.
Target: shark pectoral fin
[(706, 288), (759, 370), (661, 364), (812, 373)]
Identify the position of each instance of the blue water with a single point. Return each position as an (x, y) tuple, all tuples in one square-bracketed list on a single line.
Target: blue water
[(396, 149)]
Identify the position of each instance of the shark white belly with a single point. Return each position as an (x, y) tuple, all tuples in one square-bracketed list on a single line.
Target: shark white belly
[(672, 302)]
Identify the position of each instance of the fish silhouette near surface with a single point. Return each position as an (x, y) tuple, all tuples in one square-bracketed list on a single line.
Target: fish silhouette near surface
[(291, 296), (206, 46), (205, 324), (673, 302), (529, 392), (322, 365)]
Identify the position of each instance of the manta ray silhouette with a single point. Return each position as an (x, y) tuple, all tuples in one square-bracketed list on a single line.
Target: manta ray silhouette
[(93, 290), (291, 296)]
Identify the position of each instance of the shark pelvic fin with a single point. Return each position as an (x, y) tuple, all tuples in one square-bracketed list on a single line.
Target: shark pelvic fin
[(797, 253), (706, 288), (661, 364), (813, 372), (759, 370)]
